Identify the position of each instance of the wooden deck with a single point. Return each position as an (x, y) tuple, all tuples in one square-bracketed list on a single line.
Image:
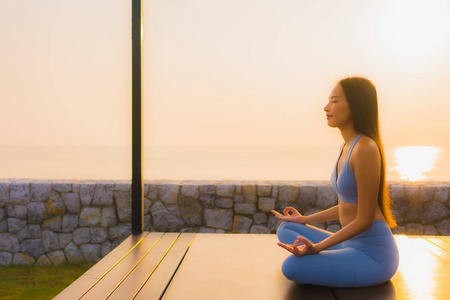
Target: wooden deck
[(185, 266)]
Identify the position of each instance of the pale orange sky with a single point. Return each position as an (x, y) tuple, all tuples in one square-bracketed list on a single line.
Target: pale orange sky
[(221, 73)]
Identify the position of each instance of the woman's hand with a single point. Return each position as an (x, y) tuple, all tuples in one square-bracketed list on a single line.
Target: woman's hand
[(306, 249), (290, 214)]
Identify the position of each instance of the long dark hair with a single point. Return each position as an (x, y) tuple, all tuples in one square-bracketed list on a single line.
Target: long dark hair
[(362, 99)]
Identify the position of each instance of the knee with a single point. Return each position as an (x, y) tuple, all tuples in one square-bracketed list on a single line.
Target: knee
[(280, 229), (292, 269)]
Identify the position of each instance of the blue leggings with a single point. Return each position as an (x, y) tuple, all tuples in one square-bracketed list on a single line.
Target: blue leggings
[(369, 258)]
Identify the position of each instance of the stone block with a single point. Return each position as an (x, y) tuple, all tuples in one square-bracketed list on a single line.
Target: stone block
[(224, 202), (98, 235), (414, 228), (9, 242), (411, 192), (288, 193), (36, 212), (249, 193), (91, 253), (43, 261), (259, 218), (190, 211), (415, 213), (53, 224), (263, 190), (15, 225), (104, 194), (55, 205), (206, 230), (148, 223), (123, 187), (5, 258), (241, 224), (20, 193), (307, 196), (64, 239), (163, 220), (106, 248), (430, 230), (174, 210), (29, 232), (273, 223), (244, 208), (396, 191), (168, 193), (207, 189), (435, 211), (147, 204), (40, 192), (225, 190), (208, 201), (190, 190), (73, 254), (108, 217), (90, 217), (81, 236), (119, 232), (123, 200), (259, 229), (87, 193), (441, 194), (326, 196), (2, 214), (62, 187), (401, 205), (219, 218), (69, 223), (426, 193), (238, 199), (153, 192), (72, 202), (32, 247), (23, 259), (51, 241), (57, 257), (275, 189), (333, 228), (4, 193), (443, 227), (266, 204), (16, 211)]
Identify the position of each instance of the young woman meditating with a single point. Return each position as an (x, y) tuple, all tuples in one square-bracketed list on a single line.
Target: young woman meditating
[(363, 252)]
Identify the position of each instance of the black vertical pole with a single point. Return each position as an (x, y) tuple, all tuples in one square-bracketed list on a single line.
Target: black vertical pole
[(137, 180)]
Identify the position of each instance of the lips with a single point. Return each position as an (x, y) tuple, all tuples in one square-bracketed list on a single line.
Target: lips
[(329, 116)]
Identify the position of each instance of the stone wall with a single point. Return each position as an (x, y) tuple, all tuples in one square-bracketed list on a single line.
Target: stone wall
[(43, 222)]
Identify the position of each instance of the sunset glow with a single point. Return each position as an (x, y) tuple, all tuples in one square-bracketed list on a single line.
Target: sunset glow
[(413, 162)]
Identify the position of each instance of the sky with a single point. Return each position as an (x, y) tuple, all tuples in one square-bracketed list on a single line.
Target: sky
[(221, 80)]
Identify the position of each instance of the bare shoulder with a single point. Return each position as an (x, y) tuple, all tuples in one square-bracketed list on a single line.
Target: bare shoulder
[(365, 150)]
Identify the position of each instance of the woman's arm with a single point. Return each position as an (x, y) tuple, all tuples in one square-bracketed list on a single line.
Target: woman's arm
[(290, 214), (366, 165)]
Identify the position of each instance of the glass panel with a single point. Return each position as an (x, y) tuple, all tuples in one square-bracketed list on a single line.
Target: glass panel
[(65, 89), (235, 89)]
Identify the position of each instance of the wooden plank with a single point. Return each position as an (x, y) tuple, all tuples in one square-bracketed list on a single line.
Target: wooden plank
[(96, 272), (134, 281), (235, 266), (114, 277), (443, 245), (161, 277), (422, 273), (446, 238)]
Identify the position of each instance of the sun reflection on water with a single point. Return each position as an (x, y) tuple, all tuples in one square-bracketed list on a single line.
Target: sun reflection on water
[(413, 162)]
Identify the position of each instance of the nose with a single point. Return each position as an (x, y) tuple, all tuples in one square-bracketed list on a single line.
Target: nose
[(326, 107)]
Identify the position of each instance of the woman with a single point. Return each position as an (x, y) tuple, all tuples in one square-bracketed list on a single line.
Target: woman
[(363, 252)]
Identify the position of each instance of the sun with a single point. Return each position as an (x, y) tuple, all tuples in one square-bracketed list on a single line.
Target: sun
[(413, 162)]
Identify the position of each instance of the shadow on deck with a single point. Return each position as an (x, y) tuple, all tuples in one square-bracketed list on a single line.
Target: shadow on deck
[(245, 266)]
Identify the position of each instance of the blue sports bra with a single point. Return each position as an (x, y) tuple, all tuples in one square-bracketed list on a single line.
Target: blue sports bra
[(345, 184)]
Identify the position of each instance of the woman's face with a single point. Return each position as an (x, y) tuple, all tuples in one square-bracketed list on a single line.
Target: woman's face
[(337, 109)]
